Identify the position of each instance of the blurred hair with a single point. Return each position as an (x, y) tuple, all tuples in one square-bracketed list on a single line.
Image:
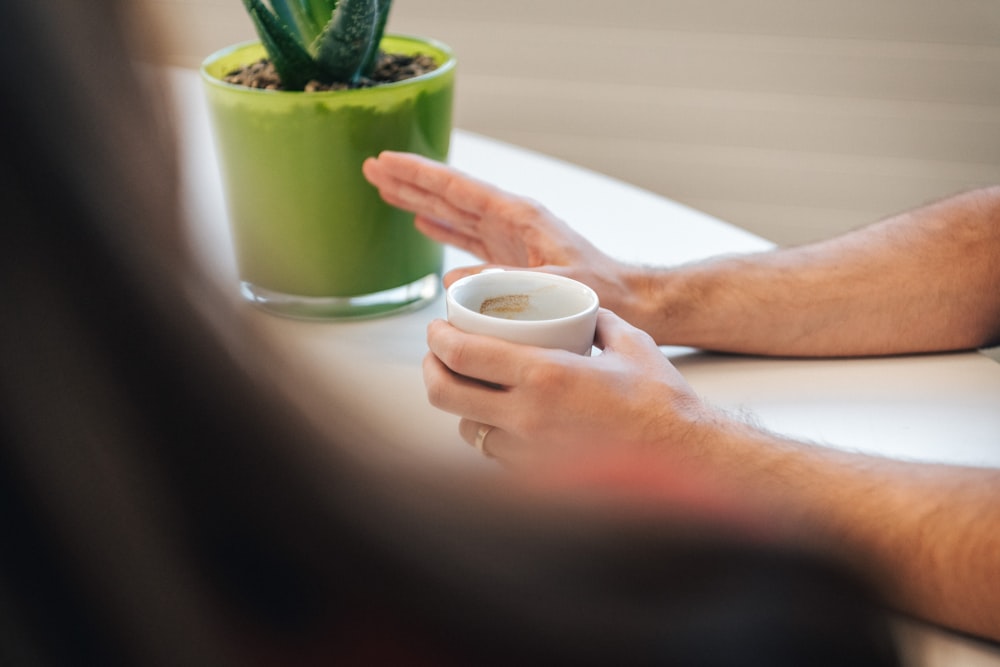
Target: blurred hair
[(162, 503)]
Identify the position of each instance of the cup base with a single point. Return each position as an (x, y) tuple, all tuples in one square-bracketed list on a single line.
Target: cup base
[(409, 297)]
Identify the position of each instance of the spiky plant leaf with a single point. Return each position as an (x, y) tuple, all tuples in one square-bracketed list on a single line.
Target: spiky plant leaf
[(295, 15), (294, 64), (368, 64), (343, 45), (327, 40), (321, 12)]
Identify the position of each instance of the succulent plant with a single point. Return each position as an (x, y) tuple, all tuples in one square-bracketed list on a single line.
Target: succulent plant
[(323, 40)]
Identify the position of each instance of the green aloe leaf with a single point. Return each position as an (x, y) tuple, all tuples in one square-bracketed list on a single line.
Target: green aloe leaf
[(321, 11), (294, 64), (292, 14), (343, 46), (368, 65)]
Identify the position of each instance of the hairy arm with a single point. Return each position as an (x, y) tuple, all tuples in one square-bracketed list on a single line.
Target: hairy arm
[(927, 280), (928, 533)]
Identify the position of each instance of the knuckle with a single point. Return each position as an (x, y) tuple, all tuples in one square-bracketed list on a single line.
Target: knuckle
[(518, 209), (528, 423), (545, 376), (529, 209), (435, 396), (432, 381), (642, 338), (454, 356)]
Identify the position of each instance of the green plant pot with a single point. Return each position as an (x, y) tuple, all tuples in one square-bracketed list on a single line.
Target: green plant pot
[(312, 237)]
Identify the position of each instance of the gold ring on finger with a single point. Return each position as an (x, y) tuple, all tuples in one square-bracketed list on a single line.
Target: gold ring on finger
[(481, 433)]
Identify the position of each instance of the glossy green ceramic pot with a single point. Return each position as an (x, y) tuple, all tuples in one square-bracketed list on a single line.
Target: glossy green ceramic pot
[(312, 237)]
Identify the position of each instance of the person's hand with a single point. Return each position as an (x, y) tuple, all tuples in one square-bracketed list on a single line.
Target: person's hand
[(495, 226), (548, 404)]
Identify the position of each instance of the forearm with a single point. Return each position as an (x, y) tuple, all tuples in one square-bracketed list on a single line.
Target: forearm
[(924, 281), (930, 534)]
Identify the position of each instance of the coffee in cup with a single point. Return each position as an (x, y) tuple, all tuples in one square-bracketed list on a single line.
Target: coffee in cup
[(529, 307)]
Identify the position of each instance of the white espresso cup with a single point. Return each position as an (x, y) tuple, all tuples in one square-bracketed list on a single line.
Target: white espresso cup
[(529, 307)]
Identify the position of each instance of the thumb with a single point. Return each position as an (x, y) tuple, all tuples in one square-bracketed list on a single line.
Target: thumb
[(614, 333)]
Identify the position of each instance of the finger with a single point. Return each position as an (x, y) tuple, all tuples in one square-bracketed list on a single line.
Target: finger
[(473, 432), (484, 358), (460, 191), (406, 195), (413, 182), (442, 232), (497, 443), (443, 193), (614, 333), (457, 394), (462, 396)]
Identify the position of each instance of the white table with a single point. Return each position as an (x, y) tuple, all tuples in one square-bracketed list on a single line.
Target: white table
[(935, 407)]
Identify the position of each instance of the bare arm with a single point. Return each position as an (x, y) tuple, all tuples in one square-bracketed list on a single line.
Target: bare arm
[(922, 281), (929, 533), (928, 280)]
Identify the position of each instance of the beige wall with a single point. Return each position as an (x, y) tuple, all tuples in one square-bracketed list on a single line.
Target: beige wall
[(792, 118)]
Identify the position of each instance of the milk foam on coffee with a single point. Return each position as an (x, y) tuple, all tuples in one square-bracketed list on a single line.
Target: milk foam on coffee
[(542, 303), (505, 305)]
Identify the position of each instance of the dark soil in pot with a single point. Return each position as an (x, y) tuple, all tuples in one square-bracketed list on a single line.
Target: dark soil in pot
[(390, 68)]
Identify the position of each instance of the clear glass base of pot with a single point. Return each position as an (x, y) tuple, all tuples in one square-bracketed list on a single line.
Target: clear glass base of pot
[(388, 302)]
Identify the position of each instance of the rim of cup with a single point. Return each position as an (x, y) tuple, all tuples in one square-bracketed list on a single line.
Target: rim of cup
[(521, 276)]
